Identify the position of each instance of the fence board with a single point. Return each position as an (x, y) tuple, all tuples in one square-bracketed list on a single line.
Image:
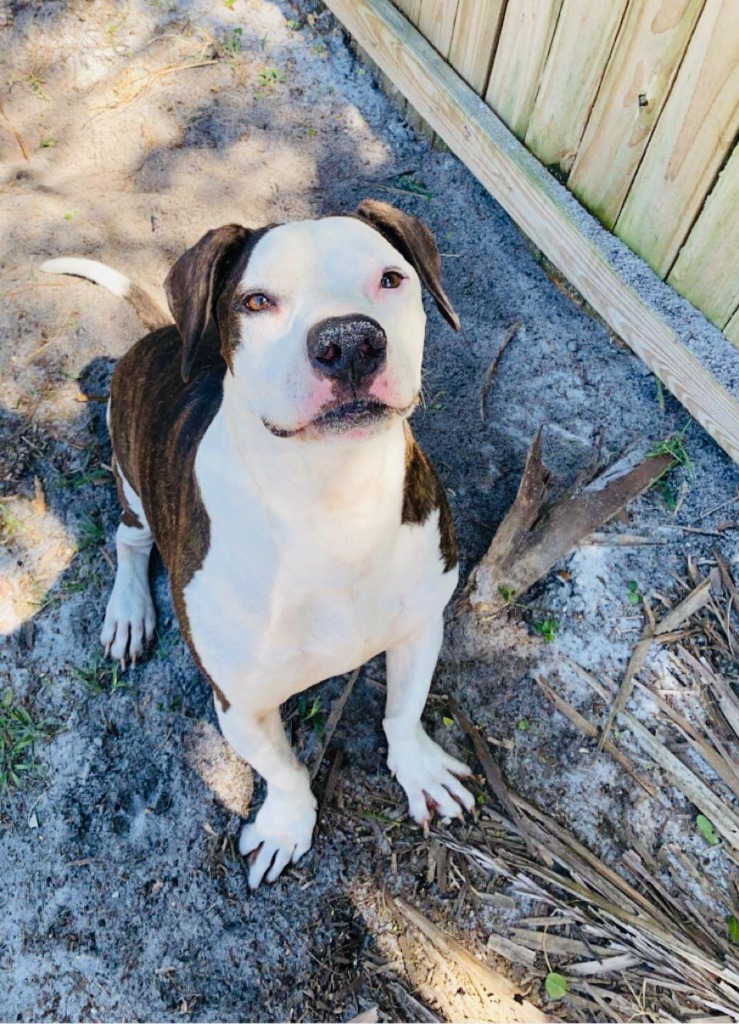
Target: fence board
[(473, 43), (436, 23), (691, 139), (582, 43), (707, 269), (525, 39), (646, 56), (536, 203)]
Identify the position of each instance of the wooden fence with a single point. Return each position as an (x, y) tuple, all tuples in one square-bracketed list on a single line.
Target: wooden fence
[(634, 104)]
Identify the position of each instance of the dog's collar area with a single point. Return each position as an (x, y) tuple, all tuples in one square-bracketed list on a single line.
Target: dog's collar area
[(342, 417)]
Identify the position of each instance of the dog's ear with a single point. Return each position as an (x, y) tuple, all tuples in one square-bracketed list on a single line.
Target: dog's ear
[(415, 243), (195, 282)]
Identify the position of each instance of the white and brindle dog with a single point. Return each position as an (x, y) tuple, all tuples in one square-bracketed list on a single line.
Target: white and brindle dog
[(262, 444)]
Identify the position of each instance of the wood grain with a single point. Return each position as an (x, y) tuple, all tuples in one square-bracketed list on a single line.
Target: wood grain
[(525, 37), (580, 49), (647, 53), (691, 140), (707, 268), (475, 35), (436, 23), (538, 205)]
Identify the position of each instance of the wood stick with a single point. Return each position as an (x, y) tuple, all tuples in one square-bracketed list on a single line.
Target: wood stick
[(591, 730), (509, 336), (529, 541), (693, 603), (333, 720)]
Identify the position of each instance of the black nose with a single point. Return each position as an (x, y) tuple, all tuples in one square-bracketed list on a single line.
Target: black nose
[(348, 348)]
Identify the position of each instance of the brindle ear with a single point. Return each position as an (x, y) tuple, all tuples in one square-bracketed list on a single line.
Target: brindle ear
[(195, 282), (414, 242)]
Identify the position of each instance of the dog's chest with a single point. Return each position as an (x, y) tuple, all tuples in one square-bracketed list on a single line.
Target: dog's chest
[(280, 605)]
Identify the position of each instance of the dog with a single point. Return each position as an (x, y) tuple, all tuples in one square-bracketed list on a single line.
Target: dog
[(262, 443)]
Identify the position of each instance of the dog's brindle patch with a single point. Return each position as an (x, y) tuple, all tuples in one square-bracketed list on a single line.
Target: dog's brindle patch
[(423, 492), (157, 423)]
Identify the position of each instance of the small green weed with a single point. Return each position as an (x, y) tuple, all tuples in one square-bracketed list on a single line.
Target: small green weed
[(507, 593), (269, 77), (263, 42), (102, 677), (675, 446), (660, 394), (292, 24), (36, 84), (313, 714), (523, 725), (407, 182), (667, 494), (233, 43), (91, 532), (733, 926), (19, 734), (10, 524), (633, 588), (229, 3), (48, 142), (548, 629)]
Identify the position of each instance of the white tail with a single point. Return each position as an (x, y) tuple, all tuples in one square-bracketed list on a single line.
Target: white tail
[(149, 313)]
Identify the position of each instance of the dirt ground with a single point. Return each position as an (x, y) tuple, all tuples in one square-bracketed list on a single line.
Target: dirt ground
[(128, 130)]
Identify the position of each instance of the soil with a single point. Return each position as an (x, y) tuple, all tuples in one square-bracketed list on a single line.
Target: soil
[(129, 129)]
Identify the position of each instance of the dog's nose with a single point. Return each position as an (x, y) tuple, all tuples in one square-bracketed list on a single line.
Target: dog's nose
[(348, 348)]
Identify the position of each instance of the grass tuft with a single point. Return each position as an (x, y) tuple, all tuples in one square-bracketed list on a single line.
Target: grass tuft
[(19, 734)]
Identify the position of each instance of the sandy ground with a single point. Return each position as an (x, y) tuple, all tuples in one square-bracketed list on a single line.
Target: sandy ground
[(145, 123)]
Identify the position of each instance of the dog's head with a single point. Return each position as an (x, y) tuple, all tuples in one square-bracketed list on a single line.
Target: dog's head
[(320, 322)]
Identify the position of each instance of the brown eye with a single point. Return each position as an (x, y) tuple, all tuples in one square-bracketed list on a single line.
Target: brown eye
[(257, 302), (391, 279)]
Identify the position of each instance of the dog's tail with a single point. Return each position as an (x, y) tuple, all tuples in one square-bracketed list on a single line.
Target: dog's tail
[(148, 311)]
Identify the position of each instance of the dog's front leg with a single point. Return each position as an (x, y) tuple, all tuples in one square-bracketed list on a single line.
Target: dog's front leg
[(283, 828), (429, 776)]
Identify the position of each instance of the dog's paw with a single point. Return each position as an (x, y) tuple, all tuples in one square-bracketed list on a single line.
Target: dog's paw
[(429, 776), (129, 620), (279, 835)]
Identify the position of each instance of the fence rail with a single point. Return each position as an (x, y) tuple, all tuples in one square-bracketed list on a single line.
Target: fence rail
[(634, 104)]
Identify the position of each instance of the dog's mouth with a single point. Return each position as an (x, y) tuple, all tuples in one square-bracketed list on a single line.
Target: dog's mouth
[(342, 417)]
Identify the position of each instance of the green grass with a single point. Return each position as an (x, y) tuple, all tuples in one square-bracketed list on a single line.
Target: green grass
[(10, 524), (269, 77), (548, 628), (233, 43), (19, 734), (91, 532), (675, 446), (102, 677), (313, 715)]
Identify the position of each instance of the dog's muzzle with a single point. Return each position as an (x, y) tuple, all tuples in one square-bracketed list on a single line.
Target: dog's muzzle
[(347, 348)]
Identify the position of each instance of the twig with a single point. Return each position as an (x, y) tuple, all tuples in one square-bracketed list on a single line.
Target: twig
[(509, 336), (693, 603), (16, 134), (591, 730), (493, 775), (333, 720)]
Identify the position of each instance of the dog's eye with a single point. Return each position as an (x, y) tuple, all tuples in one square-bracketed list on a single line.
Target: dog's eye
[(257, 302), (391, 279)]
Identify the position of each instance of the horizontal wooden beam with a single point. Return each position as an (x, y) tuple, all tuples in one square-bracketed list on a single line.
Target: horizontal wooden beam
[(538, 205)]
